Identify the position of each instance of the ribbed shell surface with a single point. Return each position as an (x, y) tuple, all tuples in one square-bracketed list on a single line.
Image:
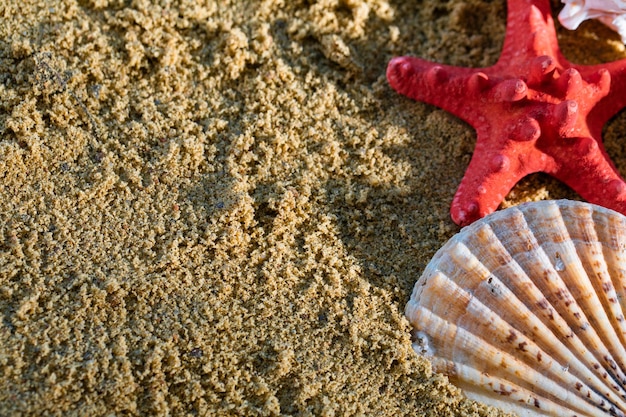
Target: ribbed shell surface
[(524, 310)]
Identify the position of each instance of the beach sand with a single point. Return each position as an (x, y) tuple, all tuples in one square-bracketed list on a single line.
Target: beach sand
[(221, 209)]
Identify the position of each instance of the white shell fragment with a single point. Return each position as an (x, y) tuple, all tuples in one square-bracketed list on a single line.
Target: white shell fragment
[(610, 12), (524, 310)]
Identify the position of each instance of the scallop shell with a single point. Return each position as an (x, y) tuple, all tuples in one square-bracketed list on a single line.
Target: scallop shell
[(524, 310)]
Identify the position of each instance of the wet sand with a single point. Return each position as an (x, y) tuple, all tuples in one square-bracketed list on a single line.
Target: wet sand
[(221, 210)]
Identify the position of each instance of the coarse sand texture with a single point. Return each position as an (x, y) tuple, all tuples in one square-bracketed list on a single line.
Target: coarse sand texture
[(219, 208)]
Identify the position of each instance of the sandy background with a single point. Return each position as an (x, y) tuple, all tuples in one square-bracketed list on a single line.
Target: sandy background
[(221, 209)]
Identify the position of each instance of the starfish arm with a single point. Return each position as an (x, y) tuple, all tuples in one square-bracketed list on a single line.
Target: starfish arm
[(590, 173), (533, 111), (491, 174), (529, 33), (444, 86), (611, 81)]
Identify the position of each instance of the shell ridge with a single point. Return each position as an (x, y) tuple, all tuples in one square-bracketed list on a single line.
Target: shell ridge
[(523, 402), (534, 315), (502, 364), (486, 238), (481, 320), (441, 254), (613, 257), (527, 253), (531, 354), (549, 229), (540, 332), (581, 295), (587, 227), (491, 389)]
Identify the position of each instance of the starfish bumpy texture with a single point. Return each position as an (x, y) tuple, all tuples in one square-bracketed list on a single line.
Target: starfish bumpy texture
[(533, 111)]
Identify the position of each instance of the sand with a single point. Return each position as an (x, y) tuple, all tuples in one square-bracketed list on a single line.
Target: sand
[(221, 209)]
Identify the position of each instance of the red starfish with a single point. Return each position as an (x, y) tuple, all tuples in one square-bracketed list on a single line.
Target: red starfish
[(533, 111)]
